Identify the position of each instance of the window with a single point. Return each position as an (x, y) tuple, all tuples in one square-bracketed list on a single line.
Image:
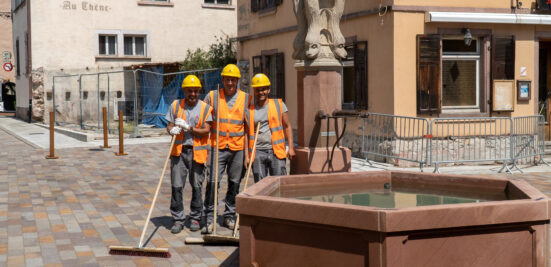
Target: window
[(108, 45), (354, 76), (134, 45), (17, 62), (460, 74), (264, 5), (117, 43), (218, 2), (273, 65)]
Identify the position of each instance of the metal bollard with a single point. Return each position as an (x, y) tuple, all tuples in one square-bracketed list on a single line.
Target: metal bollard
[(121, 136), (52, 149), (105, 134)]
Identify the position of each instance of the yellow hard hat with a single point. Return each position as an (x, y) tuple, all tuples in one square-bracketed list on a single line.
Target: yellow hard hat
[(260, 80), (191, 81), (231, 70)]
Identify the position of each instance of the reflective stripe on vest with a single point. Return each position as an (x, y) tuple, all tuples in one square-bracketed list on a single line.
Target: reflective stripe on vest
[(232, 127), (275, 119), (200, 143)]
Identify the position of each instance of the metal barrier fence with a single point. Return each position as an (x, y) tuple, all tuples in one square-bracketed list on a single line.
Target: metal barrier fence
[(528, 140), (396, 137), (141, 94), (455, 140)]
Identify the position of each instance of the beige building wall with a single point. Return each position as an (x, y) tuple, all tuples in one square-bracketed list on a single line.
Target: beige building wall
[(21, 81), (64, 35)]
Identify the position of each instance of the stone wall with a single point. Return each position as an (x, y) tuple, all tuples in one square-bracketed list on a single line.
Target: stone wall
[(38, 94)]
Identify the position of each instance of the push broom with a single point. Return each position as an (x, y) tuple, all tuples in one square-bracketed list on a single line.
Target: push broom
[(141, 250)]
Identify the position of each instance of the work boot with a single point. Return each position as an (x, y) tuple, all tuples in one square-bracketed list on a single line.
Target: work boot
[(177, 227), (194, 226), (229, 223), (207, 229)]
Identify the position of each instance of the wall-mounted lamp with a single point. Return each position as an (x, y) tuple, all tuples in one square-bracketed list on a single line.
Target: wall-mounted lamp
[(468, 38)]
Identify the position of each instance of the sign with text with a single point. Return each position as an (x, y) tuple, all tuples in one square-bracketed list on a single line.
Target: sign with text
[(85, 6)]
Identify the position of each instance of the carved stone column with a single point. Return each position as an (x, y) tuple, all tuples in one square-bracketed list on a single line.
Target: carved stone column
[(319, 46)]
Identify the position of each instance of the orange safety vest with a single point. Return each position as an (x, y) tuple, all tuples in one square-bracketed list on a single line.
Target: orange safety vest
[(200, 143), (275, 119), (232, 128)]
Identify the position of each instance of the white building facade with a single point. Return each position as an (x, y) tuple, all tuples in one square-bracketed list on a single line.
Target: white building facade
[(55, 37)]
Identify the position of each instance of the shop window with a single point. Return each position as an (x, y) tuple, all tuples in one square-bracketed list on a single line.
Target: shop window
[(273, 65), (107, 45), (451, 76), (460, 74), (264, 5)]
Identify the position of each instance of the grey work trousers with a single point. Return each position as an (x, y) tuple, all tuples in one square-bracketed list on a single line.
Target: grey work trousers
[(266, 163), (232, 163), (180, 167)]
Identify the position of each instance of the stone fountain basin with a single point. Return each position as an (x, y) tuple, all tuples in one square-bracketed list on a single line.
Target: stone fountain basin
[(284, 223)]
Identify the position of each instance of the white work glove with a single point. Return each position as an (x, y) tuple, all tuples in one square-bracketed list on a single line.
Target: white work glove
[(175, 130), (182, 124)]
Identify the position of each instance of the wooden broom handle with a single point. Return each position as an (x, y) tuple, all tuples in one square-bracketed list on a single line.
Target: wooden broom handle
[(156, 192), (216, 163), (248, 173)]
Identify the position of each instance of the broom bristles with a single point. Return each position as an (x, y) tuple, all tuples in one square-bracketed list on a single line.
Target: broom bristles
[(132, 251)]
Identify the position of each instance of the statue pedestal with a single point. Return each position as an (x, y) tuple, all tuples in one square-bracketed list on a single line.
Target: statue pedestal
[(319, 89)]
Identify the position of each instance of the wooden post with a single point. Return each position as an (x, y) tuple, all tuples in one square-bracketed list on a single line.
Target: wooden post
[(105, 133), (121, 136), (52, 148)]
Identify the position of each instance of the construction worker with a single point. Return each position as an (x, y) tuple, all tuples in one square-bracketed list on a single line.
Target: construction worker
[(190, 121), (232, 140), (274, 127)]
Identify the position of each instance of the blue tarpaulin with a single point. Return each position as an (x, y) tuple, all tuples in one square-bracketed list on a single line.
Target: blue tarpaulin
[(156, 99)]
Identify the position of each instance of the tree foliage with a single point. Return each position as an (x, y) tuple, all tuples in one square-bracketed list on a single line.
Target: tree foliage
[(218, 55)]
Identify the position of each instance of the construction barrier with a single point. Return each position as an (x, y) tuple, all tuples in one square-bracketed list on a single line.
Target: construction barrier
[(511, 141), (528, 140), (395, 137), (456, 140)]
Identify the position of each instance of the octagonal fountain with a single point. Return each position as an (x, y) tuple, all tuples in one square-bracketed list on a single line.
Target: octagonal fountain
[(393, 219)]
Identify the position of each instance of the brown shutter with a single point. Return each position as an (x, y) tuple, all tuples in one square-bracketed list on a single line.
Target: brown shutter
[(280, 75), (360, 75), (257, 64), (428, 73), (254, 6), (503, 58)]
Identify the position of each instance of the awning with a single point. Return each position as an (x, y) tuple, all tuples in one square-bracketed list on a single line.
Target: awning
[(502, 18)]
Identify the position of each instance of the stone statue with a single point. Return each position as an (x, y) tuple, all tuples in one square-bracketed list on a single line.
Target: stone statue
[(319, 36)]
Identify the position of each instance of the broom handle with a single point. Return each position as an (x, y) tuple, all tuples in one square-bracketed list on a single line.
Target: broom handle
[(216, 163), (248, 173), (156, 191)]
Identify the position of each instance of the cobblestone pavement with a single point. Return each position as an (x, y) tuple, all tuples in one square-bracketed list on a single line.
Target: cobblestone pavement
[(67, 212)]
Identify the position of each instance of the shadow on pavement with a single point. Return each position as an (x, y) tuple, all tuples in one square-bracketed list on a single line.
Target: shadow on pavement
[(232, 260)]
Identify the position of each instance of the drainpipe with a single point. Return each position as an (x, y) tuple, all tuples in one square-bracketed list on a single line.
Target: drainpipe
[(29, 60)]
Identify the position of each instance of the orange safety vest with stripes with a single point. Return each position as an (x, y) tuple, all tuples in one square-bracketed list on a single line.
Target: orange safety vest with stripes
[(232, 128), (200, 143), (275, 118)]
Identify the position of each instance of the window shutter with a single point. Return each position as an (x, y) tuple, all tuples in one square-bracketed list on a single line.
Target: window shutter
[(428, 73), (360, 75), (280, 75), (503, 58), (257, 64), (254, 6)]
